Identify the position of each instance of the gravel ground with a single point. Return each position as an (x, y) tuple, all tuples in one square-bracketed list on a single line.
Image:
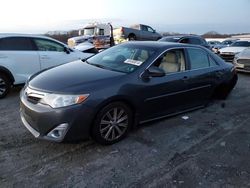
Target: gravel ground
[(209, 149)]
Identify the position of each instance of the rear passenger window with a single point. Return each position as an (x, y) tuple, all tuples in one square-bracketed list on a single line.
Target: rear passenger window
[(16, 44), (195, 41), (198, 58), (212, 62), (47, 45)]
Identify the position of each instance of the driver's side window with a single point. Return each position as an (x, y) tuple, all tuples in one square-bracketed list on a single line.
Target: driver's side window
[(172, 61)]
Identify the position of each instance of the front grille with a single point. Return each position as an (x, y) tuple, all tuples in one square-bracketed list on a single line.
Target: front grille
[(245, 62), (227, 57), (33, 96)]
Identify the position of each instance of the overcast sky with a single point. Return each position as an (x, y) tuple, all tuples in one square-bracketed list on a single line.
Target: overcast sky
[(190, 16)]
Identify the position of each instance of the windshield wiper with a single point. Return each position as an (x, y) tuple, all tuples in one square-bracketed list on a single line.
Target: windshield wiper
[(103, 67), (97, 65)]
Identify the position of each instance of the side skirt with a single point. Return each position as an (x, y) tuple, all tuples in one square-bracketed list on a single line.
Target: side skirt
[(172, 114)]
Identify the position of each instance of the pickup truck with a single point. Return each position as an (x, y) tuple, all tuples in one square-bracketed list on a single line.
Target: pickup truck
[(136, 32)]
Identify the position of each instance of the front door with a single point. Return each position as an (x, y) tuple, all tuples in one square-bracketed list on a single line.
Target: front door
[(52, 53), (167, 94)]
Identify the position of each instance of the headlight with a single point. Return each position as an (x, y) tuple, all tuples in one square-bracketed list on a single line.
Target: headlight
[(58, 101)]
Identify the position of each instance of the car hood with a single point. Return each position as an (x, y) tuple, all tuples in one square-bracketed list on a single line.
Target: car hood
[(245, 54), (74, 77), (84, 46), (234, 49), (81, 55)]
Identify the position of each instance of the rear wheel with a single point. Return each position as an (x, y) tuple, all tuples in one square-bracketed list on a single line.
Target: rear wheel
[(223, 90), (112, 123), (5, 85), (131, 37)]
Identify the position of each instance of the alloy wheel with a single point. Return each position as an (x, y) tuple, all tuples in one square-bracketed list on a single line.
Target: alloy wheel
[(3, 86), (114, 124)]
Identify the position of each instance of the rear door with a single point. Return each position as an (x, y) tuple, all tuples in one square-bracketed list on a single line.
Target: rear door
[(19, 55), (200, 76), (52, 53)]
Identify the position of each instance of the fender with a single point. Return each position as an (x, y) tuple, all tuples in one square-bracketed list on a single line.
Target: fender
[(8, 73)]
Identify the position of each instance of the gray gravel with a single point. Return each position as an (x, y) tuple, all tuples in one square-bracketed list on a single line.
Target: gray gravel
[(209, 149)]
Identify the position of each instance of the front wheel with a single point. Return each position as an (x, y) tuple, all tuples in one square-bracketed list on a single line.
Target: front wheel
[(5, 85), (112, 123)]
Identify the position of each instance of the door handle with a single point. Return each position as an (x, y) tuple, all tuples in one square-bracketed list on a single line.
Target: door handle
[(185, 78)]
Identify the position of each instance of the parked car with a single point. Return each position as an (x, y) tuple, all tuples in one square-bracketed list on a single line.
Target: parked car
[(212, 43), (223, 44), (23, 55), (187, 39), (242, 61), (228, 53), (135, 32), (87, 48), (106, 95)]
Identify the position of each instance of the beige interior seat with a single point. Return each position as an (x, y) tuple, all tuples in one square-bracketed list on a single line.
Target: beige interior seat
[(170, 63), (143, 56)]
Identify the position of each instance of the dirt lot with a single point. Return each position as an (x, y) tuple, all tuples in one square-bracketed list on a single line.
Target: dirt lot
[(210, 149)]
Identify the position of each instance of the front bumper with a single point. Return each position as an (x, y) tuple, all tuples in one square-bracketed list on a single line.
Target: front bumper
[(227, 57), (40, 120), (242, 65)]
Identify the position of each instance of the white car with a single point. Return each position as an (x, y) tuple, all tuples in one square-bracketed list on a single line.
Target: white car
[(86, 47), (24, 55), (228, 53)]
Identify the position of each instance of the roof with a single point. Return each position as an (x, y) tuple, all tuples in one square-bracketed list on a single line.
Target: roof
[(181, 36), (159, 44), (4, 35)]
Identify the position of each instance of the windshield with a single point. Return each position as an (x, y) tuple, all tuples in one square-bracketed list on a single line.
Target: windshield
[(241, 43), (227, 42), (89, 31), (122, 58), (170, 39)]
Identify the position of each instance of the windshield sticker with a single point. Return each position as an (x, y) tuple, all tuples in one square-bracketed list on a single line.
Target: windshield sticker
[(133, 62)]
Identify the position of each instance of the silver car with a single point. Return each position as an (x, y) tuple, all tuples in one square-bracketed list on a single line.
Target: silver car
[(242, 61)]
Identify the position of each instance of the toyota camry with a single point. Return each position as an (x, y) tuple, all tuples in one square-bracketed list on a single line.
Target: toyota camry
[(106, 95)]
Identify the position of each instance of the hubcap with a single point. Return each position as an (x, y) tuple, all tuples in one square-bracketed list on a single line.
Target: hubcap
[(114, 124), (2, 86)]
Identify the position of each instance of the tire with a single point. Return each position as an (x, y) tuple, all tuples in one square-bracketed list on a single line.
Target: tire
[(5, 85), (131, 37), (112, 123)]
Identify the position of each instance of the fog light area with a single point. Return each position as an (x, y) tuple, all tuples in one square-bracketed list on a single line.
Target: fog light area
[(59, 132)]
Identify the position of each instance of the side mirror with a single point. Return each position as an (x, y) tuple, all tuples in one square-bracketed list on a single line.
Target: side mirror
[(154, 31), (152, 71), (66, 50)]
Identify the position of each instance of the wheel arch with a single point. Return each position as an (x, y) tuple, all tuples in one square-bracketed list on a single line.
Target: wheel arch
[(132, 34), (122, 99), (7, 73)]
